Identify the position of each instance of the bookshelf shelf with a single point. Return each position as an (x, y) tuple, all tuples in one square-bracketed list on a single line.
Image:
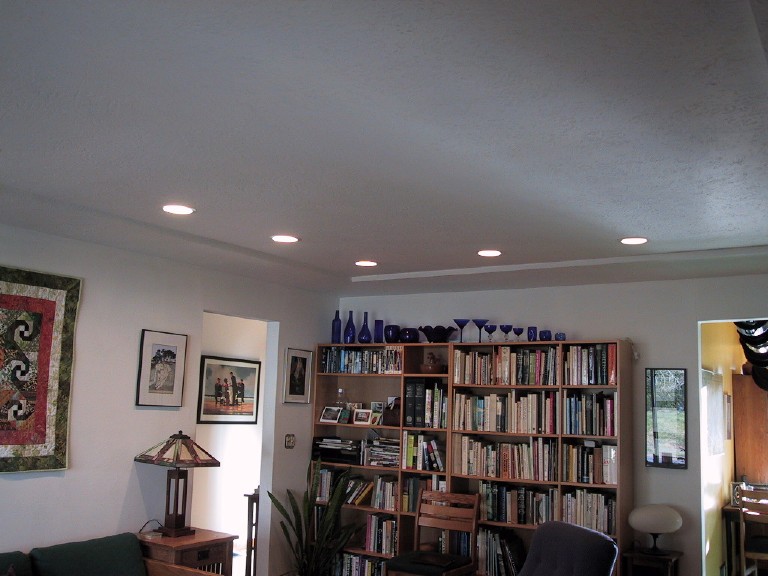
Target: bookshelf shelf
[(550, 421)]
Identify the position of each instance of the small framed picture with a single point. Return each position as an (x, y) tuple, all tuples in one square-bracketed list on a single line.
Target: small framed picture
[(298, 376), (162, 356), (229, 390), (330, 414), (344, 415), (362, 416), (377, 407)]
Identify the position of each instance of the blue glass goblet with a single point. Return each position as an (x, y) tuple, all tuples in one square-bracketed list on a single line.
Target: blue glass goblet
[(490, 328), (506, 328), (461, 322), (518, 330), (479, 323)]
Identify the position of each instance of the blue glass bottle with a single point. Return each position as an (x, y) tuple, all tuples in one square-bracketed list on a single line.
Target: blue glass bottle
[(336, 329), (364, 337), (349, 330)]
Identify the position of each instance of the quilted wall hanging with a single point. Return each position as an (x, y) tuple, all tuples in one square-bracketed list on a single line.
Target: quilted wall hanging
[(37, 329)]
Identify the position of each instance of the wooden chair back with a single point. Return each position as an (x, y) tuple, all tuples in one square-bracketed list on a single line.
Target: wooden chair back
[(447, 511), (753, 509)]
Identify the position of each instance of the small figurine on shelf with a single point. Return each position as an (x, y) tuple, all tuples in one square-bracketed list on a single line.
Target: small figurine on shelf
[(432, 364)]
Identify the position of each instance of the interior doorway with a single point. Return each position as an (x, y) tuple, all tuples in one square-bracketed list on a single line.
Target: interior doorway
[(219, 499)]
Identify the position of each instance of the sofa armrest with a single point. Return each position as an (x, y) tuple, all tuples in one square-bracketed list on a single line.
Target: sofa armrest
[(158, 568)]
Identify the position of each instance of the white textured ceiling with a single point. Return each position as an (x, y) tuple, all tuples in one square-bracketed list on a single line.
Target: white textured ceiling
[(409, 132)]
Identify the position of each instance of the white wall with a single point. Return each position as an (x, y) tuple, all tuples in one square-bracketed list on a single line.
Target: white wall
[(660, 317), (104, 491)]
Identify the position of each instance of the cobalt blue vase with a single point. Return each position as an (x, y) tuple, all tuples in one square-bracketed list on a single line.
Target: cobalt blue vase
[(364, 337), (349, 330)]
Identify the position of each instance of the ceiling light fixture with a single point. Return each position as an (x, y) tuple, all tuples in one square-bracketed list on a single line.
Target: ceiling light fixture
[(285, 238), (365, 263), (489, 253), (634, 240), (178, 209)]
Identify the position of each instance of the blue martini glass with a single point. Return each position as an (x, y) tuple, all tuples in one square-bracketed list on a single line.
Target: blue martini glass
[(490, 328), (480, 323), (518, 330), (506, 329), (461, 322)]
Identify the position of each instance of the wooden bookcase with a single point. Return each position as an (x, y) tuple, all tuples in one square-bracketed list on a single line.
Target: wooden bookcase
[(528, 424)]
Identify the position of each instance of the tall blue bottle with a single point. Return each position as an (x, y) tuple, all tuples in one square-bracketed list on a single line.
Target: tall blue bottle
[(365, 333), (336, 329), (349, 330)]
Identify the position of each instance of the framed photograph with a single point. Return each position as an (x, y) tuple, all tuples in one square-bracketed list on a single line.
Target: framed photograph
[(666, 442), (298, 376), (162, 356), (229, 390), (330, 414), (377, 411), (362, 416)]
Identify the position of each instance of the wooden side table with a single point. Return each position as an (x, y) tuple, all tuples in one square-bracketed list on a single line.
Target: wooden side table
[(638, 563), (205, 550)]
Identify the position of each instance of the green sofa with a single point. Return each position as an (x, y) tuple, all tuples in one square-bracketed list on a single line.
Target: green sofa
[(118, 555)]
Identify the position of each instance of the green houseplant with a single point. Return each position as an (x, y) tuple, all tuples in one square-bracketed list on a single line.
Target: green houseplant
[(314, 551)]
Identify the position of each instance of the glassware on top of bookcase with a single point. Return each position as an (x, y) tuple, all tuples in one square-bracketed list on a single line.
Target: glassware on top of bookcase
[(479, 323), (461, 322), (490, 328), (349, 329), (518, 330), (506, 329), (365, 337)]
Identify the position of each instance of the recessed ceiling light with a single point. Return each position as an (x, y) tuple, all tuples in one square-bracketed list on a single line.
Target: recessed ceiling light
[(366, 263), (178, 209), (284, 238), (634, 240), (489, 253)]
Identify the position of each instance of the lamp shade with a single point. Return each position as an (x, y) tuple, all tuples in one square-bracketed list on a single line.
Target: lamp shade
[(178, 451), (655, 519)]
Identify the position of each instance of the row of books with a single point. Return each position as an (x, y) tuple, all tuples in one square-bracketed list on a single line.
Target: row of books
[(590, 463), (421, 452), (499, 554), (412, 485), (517, 412), (472, 367), (590, 414), (381, 534), (592, 364), (511, 504), (535, 459), (426, 403), (355, 565), (381, 452), (526, 366), (594, 510), (385, 495), (340, 360)]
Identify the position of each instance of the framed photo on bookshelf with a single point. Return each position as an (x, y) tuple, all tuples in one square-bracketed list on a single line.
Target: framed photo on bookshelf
[(330, 414), (362, 416), (229, 390), (298, 376), (666, 443)]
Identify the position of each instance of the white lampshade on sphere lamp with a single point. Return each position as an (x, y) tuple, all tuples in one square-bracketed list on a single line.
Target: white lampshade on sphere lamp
[(655, 519)]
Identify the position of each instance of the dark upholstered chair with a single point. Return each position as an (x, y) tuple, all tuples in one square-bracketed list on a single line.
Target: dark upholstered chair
[(438, 512), (562, 549)]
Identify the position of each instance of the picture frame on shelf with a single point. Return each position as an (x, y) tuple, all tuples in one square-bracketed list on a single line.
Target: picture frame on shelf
[(362, 416), (377, 412), (330, 414), (297, 385), (219, 402), (162, 358), (665, 418)]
